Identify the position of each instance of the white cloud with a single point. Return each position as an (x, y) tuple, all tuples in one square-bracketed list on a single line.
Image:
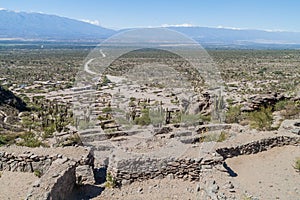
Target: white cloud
[(276, 30), (267, 30), (177, 25), (94, 22), (228, 27), (16, 11)]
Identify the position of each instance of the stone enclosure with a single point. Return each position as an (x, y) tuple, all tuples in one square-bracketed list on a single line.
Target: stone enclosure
[(55, 167), (127, 168)]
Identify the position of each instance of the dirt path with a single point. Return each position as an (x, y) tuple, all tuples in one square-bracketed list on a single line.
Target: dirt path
[(86, 67)]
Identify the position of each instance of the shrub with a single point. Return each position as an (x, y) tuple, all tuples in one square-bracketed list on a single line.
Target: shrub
[(102, 118), (71, 141), (297, 164), (190, 119), (290, 111), (157, 117), (29, 140), (262, 119), (132, 98), (233, 114), (245, 197), (48, 131), (205, 118), (230, 101), (75, 138), (215, 137), (288, 108), (131, 104), (174, 101), (105, 81), (262, 71), (110, 181), (8, 138), (280, 105), (176, 118), (144, 119), (37, 173), (107, 109), (223, 136)]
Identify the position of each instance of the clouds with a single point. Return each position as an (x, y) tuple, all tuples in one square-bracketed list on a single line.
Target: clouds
[(232, 28), (178, 25), (267, 30), (94, 22)]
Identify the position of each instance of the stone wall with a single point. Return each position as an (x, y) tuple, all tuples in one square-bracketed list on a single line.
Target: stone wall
[(258, 146), (58, 171), (30, 162), (128, 168), (142, 168), (57, 183), (26, 162)]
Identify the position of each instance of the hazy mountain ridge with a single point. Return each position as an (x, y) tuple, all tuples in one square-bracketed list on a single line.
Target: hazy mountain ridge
[(226, 35), (43, 26), (39, 26)]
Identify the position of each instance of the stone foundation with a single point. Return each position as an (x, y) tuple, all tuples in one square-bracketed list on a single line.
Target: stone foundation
[(128, 168), (25, 162), (58, 171), (57, 183), (258, 146), (144, 168)]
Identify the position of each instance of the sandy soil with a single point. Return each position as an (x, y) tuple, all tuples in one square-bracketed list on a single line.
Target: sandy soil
[(16, 187), (154, 189), (269, 174)]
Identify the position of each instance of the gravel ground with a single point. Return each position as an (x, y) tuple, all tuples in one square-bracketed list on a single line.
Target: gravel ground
[(15, 185), (269, 174)]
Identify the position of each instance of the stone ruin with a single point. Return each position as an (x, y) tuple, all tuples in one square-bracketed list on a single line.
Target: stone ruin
[(57, 170)]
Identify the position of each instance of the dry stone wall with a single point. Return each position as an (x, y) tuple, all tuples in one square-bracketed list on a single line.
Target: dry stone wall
[(27, 162), (143, 168), (258, 146), (57, 183), (30, 162), (58, 171), (127, 169)]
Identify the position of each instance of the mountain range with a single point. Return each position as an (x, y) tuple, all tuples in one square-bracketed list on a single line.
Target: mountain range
[(24, 25), (38, 26)]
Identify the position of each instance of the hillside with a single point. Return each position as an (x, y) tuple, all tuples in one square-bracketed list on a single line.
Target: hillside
[(46, 27), (10, 106), (8, 99)]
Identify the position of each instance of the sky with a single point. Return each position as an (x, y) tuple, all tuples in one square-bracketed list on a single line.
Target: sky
[(245, 14)]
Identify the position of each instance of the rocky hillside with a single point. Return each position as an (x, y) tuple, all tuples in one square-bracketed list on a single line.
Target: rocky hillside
[(10, 107), (7, 98)]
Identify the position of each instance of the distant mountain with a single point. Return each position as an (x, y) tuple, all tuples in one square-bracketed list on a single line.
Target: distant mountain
[(37, 26), (48, 27), (239, 36)]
